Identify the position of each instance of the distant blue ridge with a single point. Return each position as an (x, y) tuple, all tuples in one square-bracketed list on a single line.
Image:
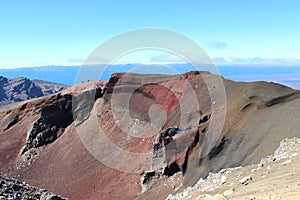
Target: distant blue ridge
[(68, 74)]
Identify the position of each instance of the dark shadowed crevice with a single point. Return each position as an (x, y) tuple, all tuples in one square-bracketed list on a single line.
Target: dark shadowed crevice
[(217, 149), (148, 179), (148, 176), (169, 132), (190, 148), (172, 169), (280, 99), (185, 163), (247, 106), (12, 120), (205, 119)]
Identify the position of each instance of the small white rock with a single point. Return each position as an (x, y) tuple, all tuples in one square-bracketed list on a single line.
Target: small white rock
[(228, 192), (223, 179), (294, 154), (169, 197), (260, 165), (287, 162), (251, 197), (246, 180)]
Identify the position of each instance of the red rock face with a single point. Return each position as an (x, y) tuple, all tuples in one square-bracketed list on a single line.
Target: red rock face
[(161, 95), (138, 126)]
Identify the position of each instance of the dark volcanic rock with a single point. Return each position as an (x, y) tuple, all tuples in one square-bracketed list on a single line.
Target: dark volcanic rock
[(51, 124), (10, 121), (57, 114), (13, 189), (20, 89), (3, 82)]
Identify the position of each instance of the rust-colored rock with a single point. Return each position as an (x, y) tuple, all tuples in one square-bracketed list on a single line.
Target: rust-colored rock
[(169, 120)]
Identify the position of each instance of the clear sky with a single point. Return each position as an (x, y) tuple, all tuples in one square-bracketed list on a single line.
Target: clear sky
[(61, 32)]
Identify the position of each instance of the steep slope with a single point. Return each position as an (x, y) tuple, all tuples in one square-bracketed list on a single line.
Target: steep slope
[(21, 89), (259, 115), (275, 177), (134, 136)]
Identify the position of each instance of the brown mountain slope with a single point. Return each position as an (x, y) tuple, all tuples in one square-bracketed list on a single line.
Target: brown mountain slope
[(96, 140)]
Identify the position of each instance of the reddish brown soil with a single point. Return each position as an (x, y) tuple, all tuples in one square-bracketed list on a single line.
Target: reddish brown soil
[(258, 116)]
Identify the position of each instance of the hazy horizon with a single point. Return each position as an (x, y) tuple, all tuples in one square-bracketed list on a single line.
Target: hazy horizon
[(287, 75)]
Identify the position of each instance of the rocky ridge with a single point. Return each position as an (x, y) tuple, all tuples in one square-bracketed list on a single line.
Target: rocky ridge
[(21, 89)]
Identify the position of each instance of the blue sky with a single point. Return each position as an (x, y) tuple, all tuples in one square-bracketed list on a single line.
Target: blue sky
[(57, 32)]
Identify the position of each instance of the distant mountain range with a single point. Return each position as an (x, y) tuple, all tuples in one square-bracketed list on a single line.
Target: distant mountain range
[(20, 89), (67, 75)]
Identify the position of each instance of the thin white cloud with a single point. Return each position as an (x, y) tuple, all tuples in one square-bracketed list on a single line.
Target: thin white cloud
[(216, 45), (76, 61), (171, 58), (168, 58), (257, 61)]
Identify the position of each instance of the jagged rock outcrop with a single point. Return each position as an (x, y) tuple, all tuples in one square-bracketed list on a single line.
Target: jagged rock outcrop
[(13, 189), (57, 113), (53, 120), (21, 89), (150, 126)]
